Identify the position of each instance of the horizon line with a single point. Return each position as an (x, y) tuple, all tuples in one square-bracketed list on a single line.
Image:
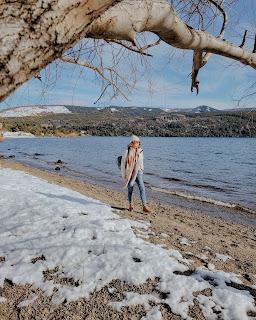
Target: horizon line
[(120, 106)]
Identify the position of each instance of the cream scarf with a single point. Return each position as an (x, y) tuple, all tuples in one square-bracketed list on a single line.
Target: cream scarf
[(131, 165)]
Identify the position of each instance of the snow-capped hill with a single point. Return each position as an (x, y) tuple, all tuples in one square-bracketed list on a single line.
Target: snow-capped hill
[(29, 111), (172, 110), (199, 109), (202, 109)]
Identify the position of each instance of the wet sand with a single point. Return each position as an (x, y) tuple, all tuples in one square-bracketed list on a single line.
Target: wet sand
[(204, 240)]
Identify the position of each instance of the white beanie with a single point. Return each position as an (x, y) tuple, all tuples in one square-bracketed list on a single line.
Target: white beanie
[(134, 138)]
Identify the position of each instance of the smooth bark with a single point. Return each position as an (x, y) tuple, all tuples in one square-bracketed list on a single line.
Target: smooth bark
[(34, 33)]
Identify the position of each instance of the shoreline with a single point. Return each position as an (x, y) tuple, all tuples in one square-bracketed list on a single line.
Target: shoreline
[(185, 185), (229, 211), (78, 135), (173, 227)]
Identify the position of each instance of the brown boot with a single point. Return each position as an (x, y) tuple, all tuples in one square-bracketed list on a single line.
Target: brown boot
[(130, 207), (146, 210)]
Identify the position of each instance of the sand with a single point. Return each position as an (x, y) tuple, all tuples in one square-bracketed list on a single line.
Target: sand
[(203, 239)]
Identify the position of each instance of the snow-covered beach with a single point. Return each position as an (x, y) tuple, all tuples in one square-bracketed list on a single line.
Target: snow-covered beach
[(66, 249)]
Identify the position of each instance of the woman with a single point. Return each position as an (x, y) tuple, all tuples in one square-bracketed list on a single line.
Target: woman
[(132, 171)]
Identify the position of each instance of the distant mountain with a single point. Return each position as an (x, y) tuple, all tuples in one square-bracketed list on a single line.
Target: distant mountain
[(202, 109), (119, 111), (199, 109), (28, 111), (202, 121), (134, 111), (131, 112), (42, 110)]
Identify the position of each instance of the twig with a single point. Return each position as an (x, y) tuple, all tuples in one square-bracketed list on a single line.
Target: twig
[(135, 49), (244, 37), (102, 93), (95, 69), (254, 47)]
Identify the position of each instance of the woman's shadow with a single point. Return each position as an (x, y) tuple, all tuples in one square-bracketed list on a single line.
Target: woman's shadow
[(69, 198), (77, 200)]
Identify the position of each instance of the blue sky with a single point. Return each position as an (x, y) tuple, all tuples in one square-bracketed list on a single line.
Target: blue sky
[(161, 81)]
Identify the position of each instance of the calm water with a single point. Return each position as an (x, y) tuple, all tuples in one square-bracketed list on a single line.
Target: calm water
[(221, 171)]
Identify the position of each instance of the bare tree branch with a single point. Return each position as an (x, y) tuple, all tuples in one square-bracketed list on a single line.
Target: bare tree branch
[(159, 18), (102, 93), (199, 58), (96, 70), (137, 49)]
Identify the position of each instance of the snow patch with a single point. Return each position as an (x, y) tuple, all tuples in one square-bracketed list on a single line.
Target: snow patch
[(33, 111), (18, 134), (164, 235), (211, 266), (27, 302), (223, 257), (113, 110), (184, 241), (111, 290), (45, 227), (134, 298), (3, 300), (153, 314)]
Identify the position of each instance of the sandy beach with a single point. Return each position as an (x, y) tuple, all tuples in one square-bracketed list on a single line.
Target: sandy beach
[(205, 241)]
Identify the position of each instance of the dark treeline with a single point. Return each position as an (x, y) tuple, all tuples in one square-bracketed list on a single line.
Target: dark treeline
[(157, 123)]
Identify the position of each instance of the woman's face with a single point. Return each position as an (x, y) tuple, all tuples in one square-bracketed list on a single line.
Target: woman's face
[(135, 144)]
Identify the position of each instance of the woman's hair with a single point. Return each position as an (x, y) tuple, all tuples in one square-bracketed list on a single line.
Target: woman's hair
[(131, 144)]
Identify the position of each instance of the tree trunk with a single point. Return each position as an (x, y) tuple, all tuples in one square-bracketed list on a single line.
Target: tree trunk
[(35, 32)]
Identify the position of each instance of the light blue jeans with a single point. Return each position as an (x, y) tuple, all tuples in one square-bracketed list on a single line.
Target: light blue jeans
[(140, 183)]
